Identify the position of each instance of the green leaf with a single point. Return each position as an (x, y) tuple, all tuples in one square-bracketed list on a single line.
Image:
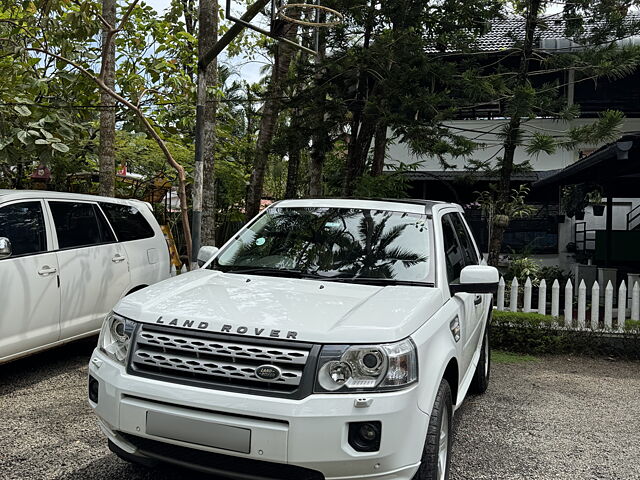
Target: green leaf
[(541, 142), (61, 147), (41, 141), (22, 110), (22, 136)]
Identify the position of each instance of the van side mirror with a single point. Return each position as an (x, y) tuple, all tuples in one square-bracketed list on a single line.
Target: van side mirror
[(477, 279), (205, 254), (5, 248)]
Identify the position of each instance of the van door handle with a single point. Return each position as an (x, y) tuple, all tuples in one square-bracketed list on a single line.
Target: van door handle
[(478, 300), (46, 271), (118, 258)]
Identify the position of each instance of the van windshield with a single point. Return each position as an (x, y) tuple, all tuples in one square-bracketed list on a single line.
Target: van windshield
[(333, 243)]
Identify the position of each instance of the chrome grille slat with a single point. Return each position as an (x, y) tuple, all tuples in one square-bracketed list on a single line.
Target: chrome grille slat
[(237, 351), (210, 358), (211, 368)]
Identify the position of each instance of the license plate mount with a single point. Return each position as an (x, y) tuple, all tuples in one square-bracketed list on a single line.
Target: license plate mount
[(200, 432)]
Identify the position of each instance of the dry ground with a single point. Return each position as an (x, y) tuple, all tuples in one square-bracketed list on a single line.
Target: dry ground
[(546, 418)]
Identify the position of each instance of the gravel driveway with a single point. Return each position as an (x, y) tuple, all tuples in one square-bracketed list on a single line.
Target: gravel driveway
[(548, 418)]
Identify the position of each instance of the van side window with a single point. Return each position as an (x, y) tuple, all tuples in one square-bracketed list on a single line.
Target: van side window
[(127, 221), (23, 224), (79, 224)]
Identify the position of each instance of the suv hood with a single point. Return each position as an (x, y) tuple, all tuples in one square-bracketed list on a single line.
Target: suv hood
[(284, 308)]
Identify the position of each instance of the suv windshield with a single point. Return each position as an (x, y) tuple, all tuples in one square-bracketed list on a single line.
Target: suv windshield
[(333, 243)]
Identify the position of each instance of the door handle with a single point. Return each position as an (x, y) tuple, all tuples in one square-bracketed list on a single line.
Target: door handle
[(46, 271), (118, 258), (478, 300)]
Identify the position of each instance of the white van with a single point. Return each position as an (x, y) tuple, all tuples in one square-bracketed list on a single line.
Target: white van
[(66, 260)]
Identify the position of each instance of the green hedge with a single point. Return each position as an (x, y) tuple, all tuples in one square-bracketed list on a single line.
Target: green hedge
[(539, 334)]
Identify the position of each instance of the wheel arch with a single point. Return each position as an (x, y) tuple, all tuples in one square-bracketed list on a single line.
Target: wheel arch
[(452, 376)]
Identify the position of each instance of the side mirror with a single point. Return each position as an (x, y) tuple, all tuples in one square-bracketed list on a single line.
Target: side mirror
[(205, 254), (5, 248), (477, 279)]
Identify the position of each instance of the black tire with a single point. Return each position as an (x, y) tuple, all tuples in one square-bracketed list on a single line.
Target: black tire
[(431, 467), (480, 381)]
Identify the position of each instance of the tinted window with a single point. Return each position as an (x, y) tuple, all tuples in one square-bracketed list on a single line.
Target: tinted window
[(468, 250), (79, 224), (23, 225), (453, 255), (127, 221)]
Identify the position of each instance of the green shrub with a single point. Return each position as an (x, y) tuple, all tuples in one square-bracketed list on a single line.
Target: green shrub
[(534, 334)]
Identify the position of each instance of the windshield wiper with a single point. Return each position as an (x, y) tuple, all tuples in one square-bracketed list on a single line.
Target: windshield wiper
[(379, 281), (275, 272)]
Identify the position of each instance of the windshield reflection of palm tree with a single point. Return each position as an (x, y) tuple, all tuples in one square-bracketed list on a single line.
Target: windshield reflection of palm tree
[(372, 256), (311, 243)]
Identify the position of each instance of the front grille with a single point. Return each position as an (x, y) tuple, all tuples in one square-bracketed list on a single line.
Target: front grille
[(226, 466), (184, 356)]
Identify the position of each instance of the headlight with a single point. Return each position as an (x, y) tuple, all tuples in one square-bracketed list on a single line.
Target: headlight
[(115, 337), (369, 367)]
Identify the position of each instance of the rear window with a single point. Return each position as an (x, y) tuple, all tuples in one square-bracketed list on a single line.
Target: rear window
[(79, 224), (128, 222)]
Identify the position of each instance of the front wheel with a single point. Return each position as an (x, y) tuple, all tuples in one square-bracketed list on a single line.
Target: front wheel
[(436, 453)]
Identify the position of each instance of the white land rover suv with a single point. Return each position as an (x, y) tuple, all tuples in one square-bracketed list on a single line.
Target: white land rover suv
[(329, 339)]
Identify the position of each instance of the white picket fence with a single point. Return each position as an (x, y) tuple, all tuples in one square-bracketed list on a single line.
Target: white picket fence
[(582, 322)]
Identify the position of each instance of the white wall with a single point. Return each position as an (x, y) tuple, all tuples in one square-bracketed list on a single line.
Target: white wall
[(485, 132)]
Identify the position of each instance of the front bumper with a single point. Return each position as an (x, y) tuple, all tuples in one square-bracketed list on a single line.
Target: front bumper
[(311, 433)]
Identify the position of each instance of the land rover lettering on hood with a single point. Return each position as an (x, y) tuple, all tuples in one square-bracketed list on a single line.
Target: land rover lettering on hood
[(324, 340)]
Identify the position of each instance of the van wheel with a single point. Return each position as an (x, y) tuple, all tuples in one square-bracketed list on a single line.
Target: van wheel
[(480, 381), (437, 447)]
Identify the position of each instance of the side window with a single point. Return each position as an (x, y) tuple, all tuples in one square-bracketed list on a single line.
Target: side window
[(79, 224), (469, 251), (23, 225), (453, 255), (127, 221)]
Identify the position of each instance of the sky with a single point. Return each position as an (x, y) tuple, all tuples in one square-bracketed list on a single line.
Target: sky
[(247, 70)]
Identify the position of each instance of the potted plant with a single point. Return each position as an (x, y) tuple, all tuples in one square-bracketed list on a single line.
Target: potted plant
[(574, 201), (594, 197)]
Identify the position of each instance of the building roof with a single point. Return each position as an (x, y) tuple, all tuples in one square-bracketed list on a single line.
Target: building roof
[(506, 33), (470, 176)]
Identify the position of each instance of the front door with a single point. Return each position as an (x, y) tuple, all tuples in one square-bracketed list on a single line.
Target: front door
[(94, 271), (456, 258), (29, 293)]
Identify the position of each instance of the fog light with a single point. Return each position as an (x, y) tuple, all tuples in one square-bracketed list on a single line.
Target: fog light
[(365, 436), (94, 388)]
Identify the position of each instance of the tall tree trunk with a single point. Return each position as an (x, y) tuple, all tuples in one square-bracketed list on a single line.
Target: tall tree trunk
[(512, 134), (294, 152), (316, 163), (292, 173), (270, 112), (107, 151), (358, 152), (379, 149), (208, 36), (320, 138), (362, 125)]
